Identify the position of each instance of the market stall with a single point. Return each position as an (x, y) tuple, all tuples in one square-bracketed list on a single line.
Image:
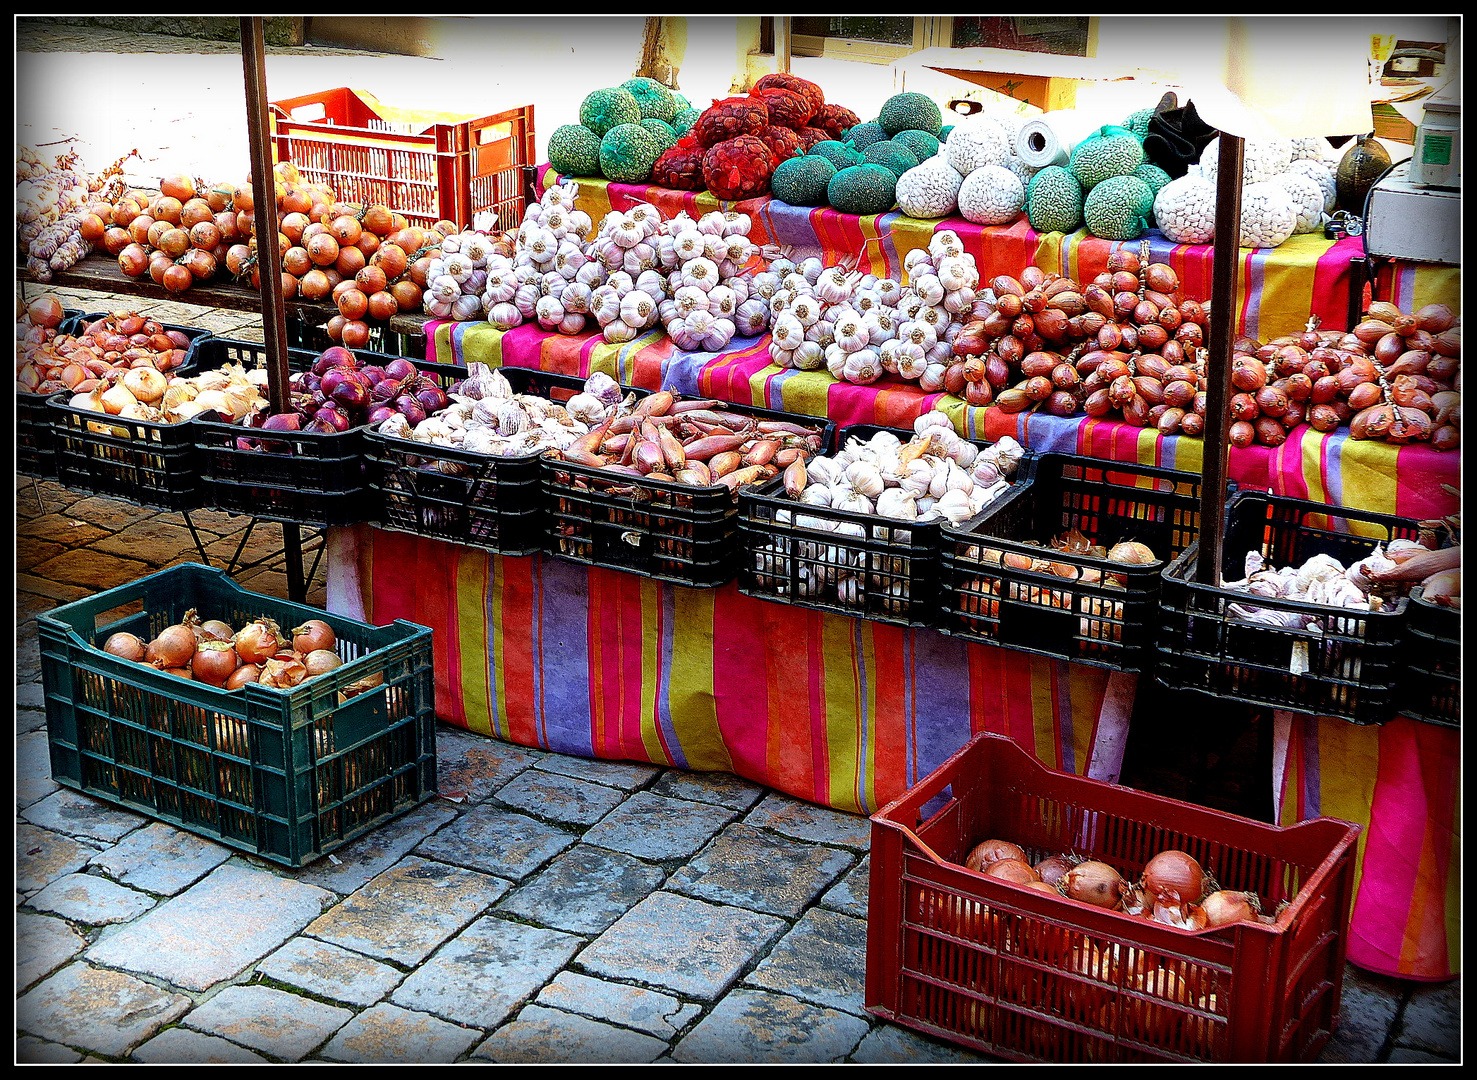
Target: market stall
[(823, 696)]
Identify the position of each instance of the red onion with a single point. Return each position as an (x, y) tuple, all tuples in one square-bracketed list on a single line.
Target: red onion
[(410, 408), (432, 398), (336, 418), (335, 356), (400, 368), (374, 373)]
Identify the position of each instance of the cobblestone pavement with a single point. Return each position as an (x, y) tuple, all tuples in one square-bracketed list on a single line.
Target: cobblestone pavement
[(542, 909)]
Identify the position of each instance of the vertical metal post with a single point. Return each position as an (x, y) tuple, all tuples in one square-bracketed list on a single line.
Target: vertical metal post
[(269, 262), (1218, 366), (782, 43)]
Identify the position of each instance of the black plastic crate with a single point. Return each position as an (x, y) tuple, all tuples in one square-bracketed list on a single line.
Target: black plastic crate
[(35, 453), (139, 461), (999, 585), (494, 503), (878, 568), (1348, 667), (1431, 678), (660, 529), (288, 775), (307, 477)]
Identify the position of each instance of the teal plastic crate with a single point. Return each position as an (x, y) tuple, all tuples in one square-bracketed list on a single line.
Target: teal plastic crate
[(287, 775)]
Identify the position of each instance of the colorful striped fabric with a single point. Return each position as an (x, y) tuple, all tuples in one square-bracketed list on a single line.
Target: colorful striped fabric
[(839, 711), (1401, 782), (1277, 288), (1411, 286)]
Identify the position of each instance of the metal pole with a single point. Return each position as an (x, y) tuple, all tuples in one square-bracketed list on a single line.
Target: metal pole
[(269, 262), (1218, 365)]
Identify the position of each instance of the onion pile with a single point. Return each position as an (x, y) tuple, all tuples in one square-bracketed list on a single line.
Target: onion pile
[(1173, 889), (259, 652), (125, 350), (340, 392)]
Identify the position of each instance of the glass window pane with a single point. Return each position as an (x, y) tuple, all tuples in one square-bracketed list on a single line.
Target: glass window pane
[(888, 31), (1064, 35)]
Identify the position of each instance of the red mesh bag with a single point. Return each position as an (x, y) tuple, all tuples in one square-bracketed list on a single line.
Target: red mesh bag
[(728, 119), (680, 167), (835, 119), (782, 142), (738, 168), (809, 136), (786, 108), (804, 87)]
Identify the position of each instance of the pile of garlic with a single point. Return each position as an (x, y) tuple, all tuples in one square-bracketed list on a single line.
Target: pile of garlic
[(487, 417), (1321, 580), (860, 327), (633, 271)]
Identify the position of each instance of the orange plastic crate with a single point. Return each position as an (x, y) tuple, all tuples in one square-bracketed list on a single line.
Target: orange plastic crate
[(1029, 976), (427, 170)]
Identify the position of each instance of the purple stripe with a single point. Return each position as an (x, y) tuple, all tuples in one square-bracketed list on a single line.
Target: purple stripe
[(561, 661), (667, 600), (1312, 796), (1066, 749), (492, 580), (941, 674), (1256, 275), (1333, 468)]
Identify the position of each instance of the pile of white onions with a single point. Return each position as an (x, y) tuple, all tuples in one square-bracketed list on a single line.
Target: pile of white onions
[(142, 393)]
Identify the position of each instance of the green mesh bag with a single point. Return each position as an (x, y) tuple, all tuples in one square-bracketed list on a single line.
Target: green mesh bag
[(627, 153), (664, 132), (838, 154), (1109, 151), (682, 122), (655, 100), (1118, 208), (574, 150), (802, 181), (861, 136), (892, 155), (1138, 122), (923, 145), (1054, 200), (604, 109)]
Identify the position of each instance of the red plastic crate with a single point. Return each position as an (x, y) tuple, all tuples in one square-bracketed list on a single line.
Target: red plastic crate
[(428, 171), (990, 965)]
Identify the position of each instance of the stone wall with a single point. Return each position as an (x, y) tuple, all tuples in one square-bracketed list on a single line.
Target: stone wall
[(280, 30)]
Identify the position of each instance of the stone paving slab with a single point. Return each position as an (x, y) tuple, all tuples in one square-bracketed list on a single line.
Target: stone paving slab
[(30, 1050), (626, 775), (54, 591), (65, 529), (285, 1026), (1432, 1019), (181, 1046), (677, 943), (889, 1044), (214, 930), (497, 841), (33, 780), (758, 870), (755, 1027), (584, 890), (823, 960), (806, 821), (161, 859), (471, 767), (81, 815), (407, 911), (390, 1035), (555, 797), (155, 541), (659, 1015), (43, 856), (480, 977), (351, 866), (1366, 1015), (541, 1036), (30, 551), (330, 971), (107, 1012), (91, 570), (720, 788), (850, 894), (657, 828), (91, 899), (41, 946)]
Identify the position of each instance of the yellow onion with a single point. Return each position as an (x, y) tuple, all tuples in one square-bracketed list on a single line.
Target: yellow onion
[(321, 661), (146, 384), (990, 851), (1132, 552), (258, 641), (173, 648), (283, 674), (125, 646)]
